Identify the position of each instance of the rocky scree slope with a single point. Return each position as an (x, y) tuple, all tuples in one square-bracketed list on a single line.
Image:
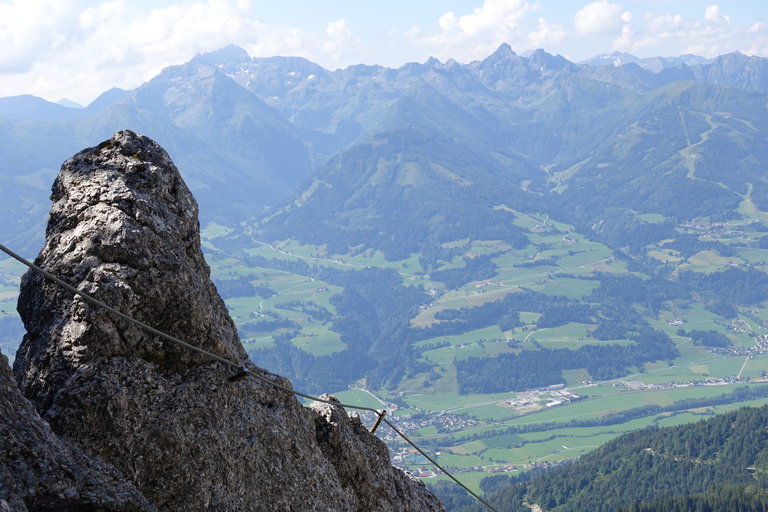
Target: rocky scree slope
[(123, 227)]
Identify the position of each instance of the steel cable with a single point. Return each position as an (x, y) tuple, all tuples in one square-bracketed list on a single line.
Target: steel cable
[(241, 369)]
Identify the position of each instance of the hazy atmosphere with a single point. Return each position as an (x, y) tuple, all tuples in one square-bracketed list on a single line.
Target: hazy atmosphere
[(525, 242), (76, 49)]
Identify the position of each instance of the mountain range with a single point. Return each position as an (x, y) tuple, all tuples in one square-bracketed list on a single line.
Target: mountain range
[(272, 124), (447, 229), (407, 160)]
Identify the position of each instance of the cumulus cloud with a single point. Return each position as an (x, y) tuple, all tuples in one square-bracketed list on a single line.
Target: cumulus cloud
[(662, 22), (548, 33), (476, 34), (600, 17), (712, 13), (22, 41), (76, 48), (340, 43), (712, 34)]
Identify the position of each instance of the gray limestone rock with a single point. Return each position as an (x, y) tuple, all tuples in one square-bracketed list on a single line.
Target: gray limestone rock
[(123, 227), (363, 465), (40, 472)]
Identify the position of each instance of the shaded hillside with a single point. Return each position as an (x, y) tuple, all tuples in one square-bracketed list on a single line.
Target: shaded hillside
[(744, 498), (405, 191), (238, 155), (686, 150)]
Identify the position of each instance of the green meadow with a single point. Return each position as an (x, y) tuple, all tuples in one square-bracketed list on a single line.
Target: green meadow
[(472, 431)]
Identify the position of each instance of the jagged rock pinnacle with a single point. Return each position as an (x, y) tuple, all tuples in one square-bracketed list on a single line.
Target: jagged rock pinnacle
[(123, 227)]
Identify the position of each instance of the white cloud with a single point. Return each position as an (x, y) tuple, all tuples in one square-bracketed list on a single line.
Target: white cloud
[(712, 35), (476, 34), (73, 48), (340, 44), (712, 13), (548, 33), (493, 18), (338, 29), (662, 22), (599, 17), (494, 15), (31, 28)]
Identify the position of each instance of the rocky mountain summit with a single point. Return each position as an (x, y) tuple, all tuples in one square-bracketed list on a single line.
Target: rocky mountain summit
[(123, 227)]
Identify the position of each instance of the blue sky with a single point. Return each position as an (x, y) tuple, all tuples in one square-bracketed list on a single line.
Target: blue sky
[(79, 48)]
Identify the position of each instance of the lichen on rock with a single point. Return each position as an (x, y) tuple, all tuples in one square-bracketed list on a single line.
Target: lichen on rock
[(123, 227)]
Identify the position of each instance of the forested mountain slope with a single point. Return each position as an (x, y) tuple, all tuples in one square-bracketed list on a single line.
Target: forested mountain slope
[(722, 461)]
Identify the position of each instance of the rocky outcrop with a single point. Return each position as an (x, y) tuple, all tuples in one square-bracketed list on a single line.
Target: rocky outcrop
[(41, 472), (362, 463), (123, 227)]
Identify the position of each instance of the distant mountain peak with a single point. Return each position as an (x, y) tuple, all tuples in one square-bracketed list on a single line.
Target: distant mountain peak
[(614, 58), (65, 102), (27, 107), (503, 51), (109, 97), (548, 60), (503, 56), (734, 56), (654, 64), (228, 55)]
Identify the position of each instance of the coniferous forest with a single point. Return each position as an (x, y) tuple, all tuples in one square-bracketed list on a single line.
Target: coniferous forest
[(715, 464)]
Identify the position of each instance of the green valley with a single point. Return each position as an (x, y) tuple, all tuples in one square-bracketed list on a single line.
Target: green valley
[(555, 295), (519, 258)]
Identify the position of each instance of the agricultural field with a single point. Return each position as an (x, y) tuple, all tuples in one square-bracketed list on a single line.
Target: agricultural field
[(477, 434), (491, 443), (481, 433)]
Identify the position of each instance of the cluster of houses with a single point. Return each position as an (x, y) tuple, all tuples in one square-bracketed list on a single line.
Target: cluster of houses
[(636, 385), (445, 422), (716, 230), (418, 465), (760, 347), (549, 396)]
